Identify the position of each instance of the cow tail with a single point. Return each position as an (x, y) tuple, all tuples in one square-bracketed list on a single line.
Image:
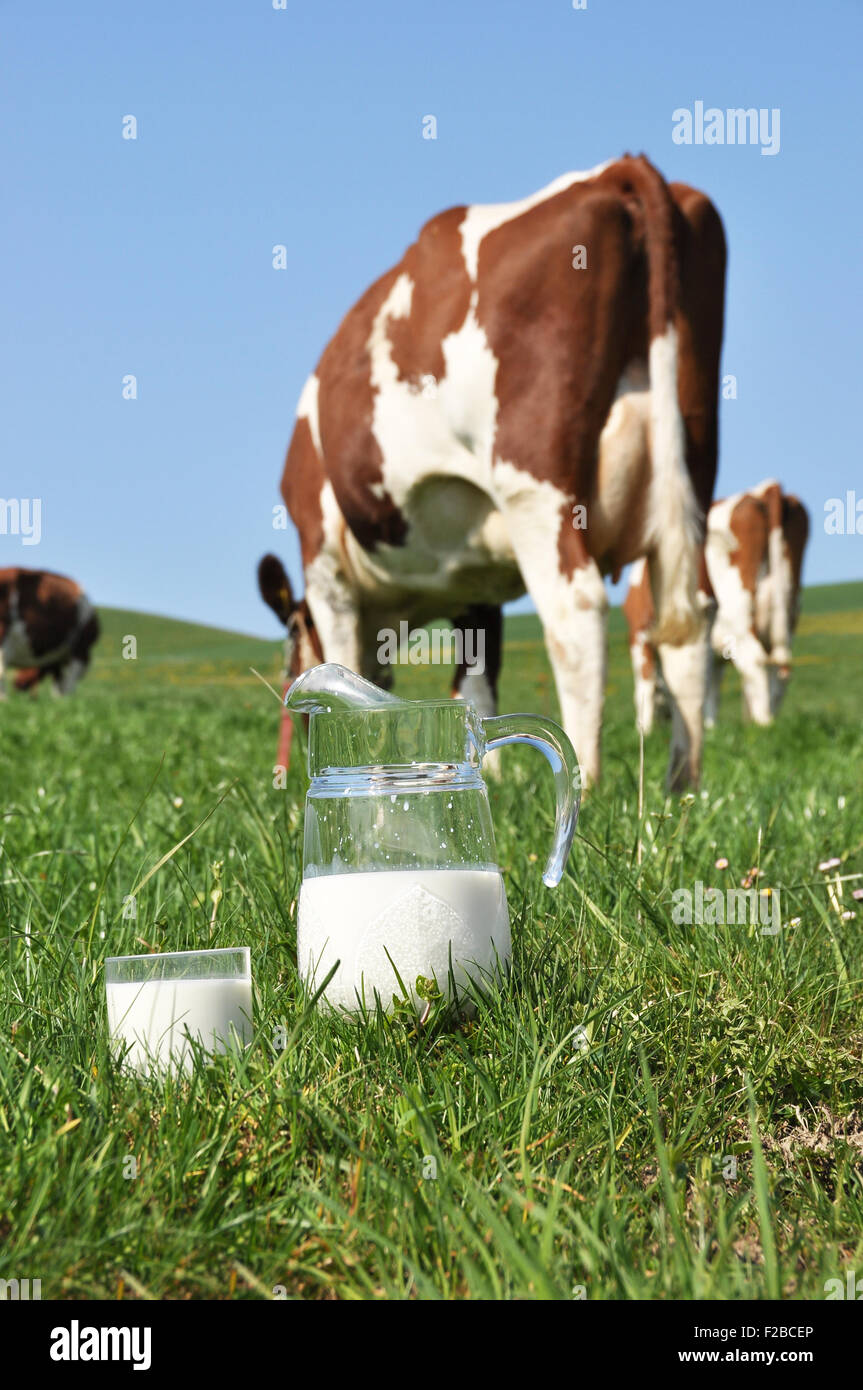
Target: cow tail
[(676, 518)]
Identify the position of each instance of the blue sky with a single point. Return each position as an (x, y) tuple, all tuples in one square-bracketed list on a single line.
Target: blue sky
[(303, 127)]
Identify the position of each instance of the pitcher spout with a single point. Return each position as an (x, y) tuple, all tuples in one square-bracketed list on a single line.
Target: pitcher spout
[(334, 689)]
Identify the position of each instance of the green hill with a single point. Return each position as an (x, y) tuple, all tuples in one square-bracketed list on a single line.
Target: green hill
[(172, 653), (170, 650)]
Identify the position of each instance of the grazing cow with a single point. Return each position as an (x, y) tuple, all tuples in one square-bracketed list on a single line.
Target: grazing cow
[(749, 589), (528, 400), (47, 628)]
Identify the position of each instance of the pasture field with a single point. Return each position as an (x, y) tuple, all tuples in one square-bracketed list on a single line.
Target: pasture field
[(647, 1110)]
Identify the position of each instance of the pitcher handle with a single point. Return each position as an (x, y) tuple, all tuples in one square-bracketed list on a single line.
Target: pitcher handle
[(551, 741)]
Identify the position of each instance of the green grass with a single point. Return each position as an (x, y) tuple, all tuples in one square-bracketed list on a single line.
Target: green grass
[(578, 1126)]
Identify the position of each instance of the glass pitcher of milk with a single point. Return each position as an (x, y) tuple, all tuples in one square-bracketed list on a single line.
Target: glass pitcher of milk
[(400, 877)]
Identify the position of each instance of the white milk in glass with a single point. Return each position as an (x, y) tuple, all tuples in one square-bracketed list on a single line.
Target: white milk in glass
[(155, 1016), (417, 916)]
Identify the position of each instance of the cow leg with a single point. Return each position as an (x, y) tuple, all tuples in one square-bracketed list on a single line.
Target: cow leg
[(737, 549), (53, 675), (734, 640), (685, 669), (715, 672), (640, 618), (713, 667), (374, 624), (777, 686), (750, 658), (67, 676), (577, 648), (570, 597), (644, 680), (334, 620), (661, 699), (478, 633), (335, 607)]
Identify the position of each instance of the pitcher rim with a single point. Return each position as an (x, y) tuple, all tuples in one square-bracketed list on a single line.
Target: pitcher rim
[(393, 705)]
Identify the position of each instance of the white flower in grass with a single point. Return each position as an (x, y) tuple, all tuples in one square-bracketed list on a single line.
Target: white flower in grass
[(40, 791), (840, 802), (177, 802), (827, 864), (848, 916)]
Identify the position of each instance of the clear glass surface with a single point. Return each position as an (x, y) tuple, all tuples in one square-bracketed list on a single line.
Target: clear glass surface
[(161, 1006)]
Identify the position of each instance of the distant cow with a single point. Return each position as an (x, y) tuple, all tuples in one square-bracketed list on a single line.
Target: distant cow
[(47, 628), (528, 400), (750, 590)]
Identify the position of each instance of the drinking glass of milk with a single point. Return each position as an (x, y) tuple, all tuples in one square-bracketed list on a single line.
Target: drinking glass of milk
[(400, 876), (158, 1003)]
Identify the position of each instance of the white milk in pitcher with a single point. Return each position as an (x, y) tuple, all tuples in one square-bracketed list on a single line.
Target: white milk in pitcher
[(153, 1017), (418, 916)]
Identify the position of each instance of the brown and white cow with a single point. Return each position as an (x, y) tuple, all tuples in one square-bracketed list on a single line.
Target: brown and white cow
[(749, 589), (47, 628), (527, 401)]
